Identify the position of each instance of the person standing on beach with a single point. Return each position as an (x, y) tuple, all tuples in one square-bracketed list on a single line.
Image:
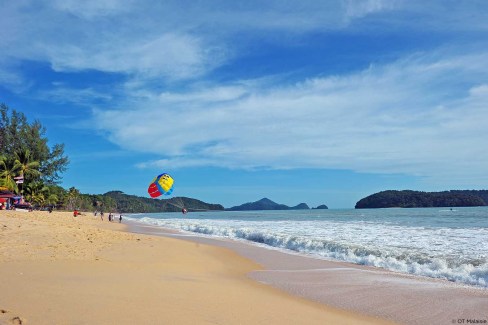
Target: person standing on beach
[(120, 218)]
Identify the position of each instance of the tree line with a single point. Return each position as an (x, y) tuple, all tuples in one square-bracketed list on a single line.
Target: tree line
[(28, 166), (417, 199)]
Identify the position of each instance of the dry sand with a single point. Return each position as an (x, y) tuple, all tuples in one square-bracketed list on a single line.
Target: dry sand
[(56, 269)]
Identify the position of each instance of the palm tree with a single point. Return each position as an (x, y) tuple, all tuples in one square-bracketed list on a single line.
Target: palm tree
[(37, 193), (40, 194), (72, 198), (52, 200), (9, 169), (28, 168)]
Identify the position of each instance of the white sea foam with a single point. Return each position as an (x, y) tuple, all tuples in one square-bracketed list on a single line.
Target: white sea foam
[(453, 253)]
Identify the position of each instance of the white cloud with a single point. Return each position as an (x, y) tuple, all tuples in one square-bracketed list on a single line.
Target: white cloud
[(169, 55), (85, 96), (214, 94), (109, 36), (90, 9), (10, 79), (165, 40), (357, 9), (424, 116)]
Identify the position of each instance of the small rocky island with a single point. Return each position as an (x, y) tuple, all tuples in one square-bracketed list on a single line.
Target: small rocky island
[(321, 207)]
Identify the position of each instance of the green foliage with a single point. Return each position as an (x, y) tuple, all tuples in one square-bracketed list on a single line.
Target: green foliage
[(136, 204), (24, 151), (416, 199), (9, 169), (37, 193), (263, 204), (18, 136), (28, 167)]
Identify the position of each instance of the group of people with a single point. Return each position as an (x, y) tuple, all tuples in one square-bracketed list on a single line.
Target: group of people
[(111, 217)]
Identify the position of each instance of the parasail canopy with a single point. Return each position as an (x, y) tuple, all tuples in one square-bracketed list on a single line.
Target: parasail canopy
[(161, 185)]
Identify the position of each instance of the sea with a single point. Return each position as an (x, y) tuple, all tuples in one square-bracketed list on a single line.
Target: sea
[(442, 243)]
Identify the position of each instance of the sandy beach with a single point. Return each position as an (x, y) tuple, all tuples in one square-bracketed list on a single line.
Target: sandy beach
[(56, 269), (399, 297)]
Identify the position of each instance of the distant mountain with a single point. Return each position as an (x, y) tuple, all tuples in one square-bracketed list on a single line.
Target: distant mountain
[(136, 204), (322, 206), (416, 199), (266, 204), (301, 206), (125, 203)]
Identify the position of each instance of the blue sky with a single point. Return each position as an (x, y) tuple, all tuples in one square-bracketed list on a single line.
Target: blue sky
[(322, 102)]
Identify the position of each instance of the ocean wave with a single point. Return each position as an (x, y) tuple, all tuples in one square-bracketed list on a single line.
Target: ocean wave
[(407, 259)]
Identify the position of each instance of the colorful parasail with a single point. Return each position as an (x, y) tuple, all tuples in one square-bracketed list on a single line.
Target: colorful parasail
[(161, 185)]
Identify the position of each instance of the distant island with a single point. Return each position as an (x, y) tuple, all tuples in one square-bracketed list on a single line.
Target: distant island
[(267, 204), (321, 207), (417, 199), (121, 202)]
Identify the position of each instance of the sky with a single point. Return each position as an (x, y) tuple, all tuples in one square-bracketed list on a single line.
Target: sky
[(321, 102)]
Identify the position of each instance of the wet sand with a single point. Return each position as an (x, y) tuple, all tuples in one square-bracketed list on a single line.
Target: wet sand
[(397, 297), (56, 269)]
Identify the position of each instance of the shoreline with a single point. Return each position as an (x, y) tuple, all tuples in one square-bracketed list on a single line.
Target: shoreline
[(398, 297), (64, 270)]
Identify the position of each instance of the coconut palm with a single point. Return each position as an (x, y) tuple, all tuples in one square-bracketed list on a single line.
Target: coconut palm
[(52, 200), (37, 192), (9, 169), (28, 167), (72, 198)]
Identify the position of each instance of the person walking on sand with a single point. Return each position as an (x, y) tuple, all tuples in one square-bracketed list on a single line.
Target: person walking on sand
[(101, 215)]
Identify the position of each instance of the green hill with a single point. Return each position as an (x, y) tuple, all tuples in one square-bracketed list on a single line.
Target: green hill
[(267, 204), (321, 207), (416, 199), (135, 204)]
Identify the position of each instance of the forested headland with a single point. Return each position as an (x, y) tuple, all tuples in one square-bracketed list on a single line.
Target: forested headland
[(417, 199)]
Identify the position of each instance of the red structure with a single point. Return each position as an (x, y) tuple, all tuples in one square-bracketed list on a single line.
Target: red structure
[(7, 199)]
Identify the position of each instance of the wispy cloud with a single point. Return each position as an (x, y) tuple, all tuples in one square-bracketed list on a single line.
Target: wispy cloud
[(357, 9), (10, 79), (167, 40), (85, 96), (91, 9), (423, 115)]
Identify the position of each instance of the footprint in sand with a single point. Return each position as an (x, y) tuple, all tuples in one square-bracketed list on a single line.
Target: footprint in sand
[(14, 320)]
